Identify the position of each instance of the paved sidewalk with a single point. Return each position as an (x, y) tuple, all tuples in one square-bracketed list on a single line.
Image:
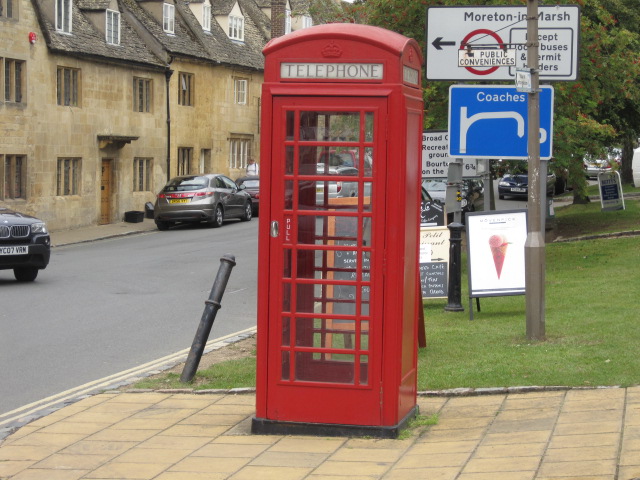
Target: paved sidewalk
[(99, 232), (572, 434)]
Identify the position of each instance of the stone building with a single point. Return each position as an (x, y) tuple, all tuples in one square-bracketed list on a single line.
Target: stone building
[(104, 100)]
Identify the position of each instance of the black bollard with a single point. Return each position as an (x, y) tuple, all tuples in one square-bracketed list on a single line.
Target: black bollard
[(454, 298), (212, 305)]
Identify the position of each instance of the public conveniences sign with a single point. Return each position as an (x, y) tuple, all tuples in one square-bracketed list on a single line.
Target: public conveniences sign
[(451, 29), (490, 121)]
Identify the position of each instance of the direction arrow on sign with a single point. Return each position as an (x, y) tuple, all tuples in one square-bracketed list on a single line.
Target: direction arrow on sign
[(490, 121), (438, 43), (456, 28)]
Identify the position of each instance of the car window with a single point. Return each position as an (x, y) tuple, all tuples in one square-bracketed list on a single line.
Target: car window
[(187, 184), (220, 183), (251, 183), (435, 186), (229, 183)]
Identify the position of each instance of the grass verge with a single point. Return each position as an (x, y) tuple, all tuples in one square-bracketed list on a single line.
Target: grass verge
[(590, 317)]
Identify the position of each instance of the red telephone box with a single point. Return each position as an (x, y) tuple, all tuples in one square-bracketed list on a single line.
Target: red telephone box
[(339, 232)]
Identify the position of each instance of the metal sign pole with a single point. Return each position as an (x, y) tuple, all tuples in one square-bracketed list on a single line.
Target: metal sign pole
[(535, 243)]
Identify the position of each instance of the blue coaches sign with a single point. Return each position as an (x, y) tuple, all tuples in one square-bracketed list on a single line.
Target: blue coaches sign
[(487, 121)]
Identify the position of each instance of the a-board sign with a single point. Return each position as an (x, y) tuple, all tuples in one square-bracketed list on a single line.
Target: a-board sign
[(345, 266), (451, 29), (435, 156), (495, 246), (434, 262), (611, 197), (432, 214)]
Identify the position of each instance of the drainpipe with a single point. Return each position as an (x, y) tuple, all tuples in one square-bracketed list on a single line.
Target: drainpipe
[(167, 75)]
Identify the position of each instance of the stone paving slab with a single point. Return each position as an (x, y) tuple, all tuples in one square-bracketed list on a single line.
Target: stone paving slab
[(541, 435)]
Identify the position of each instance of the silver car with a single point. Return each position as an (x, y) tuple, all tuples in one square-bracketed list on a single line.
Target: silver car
[(210, 198)]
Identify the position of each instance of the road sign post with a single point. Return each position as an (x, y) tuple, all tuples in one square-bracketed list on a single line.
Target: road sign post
[(534, 248)]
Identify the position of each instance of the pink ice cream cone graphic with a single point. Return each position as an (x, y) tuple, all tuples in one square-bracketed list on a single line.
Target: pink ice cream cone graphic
[(498, 244)]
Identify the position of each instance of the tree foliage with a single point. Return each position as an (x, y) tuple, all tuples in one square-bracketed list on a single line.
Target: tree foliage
[(598, 111)]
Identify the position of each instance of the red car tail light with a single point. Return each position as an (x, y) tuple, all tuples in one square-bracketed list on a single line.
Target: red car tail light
[(203, 194)]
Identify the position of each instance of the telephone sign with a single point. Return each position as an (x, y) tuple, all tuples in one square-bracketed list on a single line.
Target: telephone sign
[(450, 29), (490, 121)]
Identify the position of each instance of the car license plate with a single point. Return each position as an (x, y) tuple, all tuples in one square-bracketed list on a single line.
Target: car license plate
[(18, 250), (515, 189), (179, 200)]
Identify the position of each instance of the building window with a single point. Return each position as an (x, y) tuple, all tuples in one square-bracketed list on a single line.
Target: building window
[(8, 8), (307, 21), (68, 86), (236, 28), (14, 73), (113, 27), (287, 21), (240, 91), (206, 17), (168, 17), (142, 174), (63, 15), (185, 89), (185, 155), (142, 95), (239, 151), (15, 177), (68, 176)]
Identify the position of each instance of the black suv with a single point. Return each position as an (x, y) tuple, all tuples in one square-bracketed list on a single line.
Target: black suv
[(25, 245)]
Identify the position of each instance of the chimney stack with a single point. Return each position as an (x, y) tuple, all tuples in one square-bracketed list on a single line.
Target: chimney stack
[(278, 8)]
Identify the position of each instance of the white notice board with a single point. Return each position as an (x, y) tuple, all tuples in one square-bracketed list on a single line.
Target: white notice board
[(434, 262), (495, 246)]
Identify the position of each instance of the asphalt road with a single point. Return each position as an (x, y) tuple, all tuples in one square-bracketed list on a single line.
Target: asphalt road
[(107, 306)]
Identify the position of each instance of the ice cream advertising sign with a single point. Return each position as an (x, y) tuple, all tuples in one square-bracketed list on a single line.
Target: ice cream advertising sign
[(495, 243)]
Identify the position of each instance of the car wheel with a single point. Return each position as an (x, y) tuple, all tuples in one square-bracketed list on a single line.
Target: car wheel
[(248, 212), (501, 197), (218, 217), (162, 225), (25, 274)]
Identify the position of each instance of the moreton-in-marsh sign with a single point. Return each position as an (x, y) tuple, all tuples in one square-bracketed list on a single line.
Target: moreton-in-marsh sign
[(450, 29)]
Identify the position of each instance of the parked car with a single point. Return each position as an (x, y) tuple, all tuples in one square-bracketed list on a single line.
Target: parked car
[(211, 198), (339, 188), (472, 192), (25, 245), (252, 187), (345, 158), (517, 185), (593, 166)]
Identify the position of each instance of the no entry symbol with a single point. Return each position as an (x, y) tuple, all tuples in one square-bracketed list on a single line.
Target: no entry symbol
[(484, 32)]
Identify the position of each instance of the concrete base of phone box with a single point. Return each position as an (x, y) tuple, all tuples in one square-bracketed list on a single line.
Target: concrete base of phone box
[(263, 426)]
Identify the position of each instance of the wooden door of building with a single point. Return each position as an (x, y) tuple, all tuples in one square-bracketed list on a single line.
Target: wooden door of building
[(105, 191)]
